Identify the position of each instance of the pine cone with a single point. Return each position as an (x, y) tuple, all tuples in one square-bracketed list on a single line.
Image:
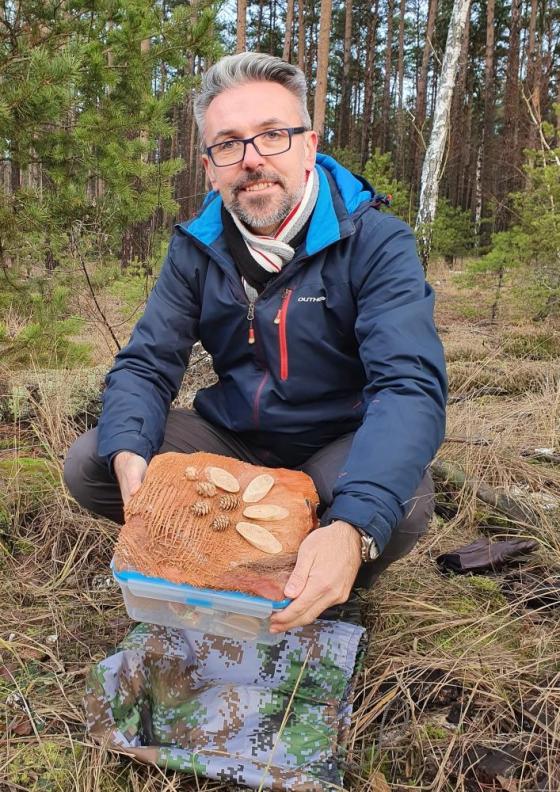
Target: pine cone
[(206, 488), (200, 508), (220, 523), (229, 502)]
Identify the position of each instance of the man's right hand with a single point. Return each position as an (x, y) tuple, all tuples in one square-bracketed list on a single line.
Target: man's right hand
[(130, 470)]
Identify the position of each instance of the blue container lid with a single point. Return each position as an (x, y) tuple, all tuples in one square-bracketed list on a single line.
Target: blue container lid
[(194, 595)]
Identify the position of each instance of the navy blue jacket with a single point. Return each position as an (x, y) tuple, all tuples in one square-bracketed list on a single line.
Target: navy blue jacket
[(344, 341)]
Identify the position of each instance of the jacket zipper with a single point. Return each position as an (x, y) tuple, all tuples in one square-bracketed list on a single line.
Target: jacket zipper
[(280, 320), (250, 317)]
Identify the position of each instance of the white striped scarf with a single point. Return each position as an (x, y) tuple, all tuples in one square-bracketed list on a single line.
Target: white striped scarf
[(272, 253)]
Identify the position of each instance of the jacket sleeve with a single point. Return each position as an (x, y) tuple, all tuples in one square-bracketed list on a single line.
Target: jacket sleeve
[(406, 391), (147, 373)]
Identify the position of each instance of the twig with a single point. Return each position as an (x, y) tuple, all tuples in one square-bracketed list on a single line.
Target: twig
[(74, 248)]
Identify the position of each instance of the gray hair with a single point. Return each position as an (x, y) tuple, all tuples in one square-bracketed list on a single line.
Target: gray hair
[(245, 67)]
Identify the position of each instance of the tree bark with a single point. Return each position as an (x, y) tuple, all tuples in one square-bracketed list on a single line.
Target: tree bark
[(421, 93), (533, 81), (322, 68), (510, 158), (460, 140), (488, 186), (301, 35), (399, 159), (369, 82), (386, 108), (345, 109), (288, 35), (241, 44), (431, 171)]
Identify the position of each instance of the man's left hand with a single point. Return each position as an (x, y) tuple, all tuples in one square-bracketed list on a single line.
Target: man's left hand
[(326, 568)]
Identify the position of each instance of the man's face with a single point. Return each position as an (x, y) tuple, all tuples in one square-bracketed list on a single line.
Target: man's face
[(260, 190)]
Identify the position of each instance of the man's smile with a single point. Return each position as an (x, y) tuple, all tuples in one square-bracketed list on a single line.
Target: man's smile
[(258, 187)]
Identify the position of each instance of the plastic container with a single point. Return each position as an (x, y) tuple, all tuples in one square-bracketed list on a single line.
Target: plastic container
[(227, 613)]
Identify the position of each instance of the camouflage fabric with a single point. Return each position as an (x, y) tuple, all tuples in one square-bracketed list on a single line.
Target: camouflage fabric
[(274, 717)]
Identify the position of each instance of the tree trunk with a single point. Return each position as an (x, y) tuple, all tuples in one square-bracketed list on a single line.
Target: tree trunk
[(431, 171), (289, 25), (400, 82), (487, 176), (460, 141), (369, 81), (322, 68), (533, 82), (301, 35), (259, 25), (241, 44), (345, 109), (510, 156), (386, 108), (421, 93)]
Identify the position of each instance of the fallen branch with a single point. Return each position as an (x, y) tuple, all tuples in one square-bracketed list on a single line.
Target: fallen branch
[(542, 455), (513, 509), (477, 393), (478, 441)]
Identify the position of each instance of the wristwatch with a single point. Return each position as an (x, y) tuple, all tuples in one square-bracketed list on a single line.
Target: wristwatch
[(368, 547)]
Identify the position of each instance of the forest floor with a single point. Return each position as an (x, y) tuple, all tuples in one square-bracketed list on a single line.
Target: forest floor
[(460, 688)]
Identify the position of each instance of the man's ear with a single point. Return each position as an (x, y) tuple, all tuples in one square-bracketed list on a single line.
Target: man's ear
[(310, 149), (209, 170)]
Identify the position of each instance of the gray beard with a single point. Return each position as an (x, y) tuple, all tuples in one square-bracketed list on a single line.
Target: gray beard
[(264, 219), (261, 220)]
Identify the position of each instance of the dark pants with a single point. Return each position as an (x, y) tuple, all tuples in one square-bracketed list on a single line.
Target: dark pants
[(94, 487)]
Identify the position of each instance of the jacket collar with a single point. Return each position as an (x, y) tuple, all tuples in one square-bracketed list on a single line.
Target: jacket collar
[(340, 194)]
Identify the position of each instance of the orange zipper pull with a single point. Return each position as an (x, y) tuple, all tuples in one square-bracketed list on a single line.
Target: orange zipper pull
[(250, 317)]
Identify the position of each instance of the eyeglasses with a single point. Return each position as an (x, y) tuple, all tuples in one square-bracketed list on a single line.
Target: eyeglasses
[(267, 144)]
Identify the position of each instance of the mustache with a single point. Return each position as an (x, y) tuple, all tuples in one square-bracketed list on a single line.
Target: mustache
[(252, 178)]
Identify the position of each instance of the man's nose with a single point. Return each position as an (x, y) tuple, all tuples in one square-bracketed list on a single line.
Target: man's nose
[(252, 159)]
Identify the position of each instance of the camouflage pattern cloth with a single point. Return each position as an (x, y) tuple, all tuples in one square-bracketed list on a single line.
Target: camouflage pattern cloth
[(264, 716)]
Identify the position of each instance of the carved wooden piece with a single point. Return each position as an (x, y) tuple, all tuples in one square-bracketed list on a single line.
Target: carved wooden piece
[(222, 479), (258, 488), (263, 511), (259, 537)]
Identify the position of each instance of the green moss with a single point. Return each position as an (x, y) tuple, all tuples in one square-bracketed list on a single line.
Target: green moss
[(45, 765), (28, 470), (482, 583), (26, 484), (434, 732)]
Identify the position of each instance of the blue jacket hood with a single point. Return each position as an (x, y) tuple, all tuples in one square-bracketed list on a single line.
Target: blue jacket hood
[(330, 220)]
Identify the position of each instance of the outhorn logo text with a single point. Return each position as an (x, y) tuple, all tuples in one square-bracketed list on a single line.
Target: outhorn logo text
[(311, 299)]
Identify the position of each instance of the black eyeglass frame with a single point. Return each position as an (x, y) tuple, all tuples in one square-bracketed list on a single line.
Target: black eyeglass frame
[(290, 130)]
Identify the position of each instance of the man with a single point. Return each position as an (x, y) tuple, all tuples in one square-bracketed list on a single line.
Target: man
[(315, 311)]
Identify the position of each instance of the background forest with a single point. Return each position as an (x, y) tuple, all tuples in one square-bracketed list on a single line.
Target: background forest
[(459, 689), (100, 147)]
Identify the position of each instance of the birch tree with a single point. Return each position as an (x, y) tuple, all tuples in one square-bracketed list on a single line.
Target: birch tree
[(432, 168)]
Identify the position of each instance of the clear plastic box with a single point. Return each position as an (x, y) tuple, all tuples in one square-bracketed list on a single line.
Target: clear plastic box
[(228, 613)]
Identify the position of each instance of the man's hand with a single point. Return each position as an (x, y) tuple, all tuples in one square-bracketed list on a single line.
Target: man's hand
[(130, 470), (327, 564)]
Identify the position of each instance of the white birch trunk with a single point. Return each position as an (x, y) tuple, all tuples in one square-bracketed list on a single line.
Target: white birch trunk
[(478, 193), (431, 170)]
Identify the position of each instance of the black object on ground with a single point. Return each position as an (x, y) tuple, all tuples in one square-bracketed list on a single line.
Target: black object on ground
[(483, 555)]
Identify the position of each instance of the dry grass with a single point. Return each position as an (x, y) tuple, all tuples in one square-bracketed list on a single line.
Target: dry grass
[(454, 668)]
